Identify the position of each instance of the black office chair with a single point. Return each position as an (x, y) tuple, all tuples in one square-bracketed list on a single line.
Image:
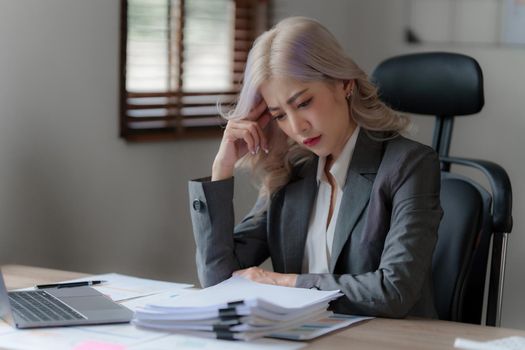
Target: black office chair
[(448, 85)]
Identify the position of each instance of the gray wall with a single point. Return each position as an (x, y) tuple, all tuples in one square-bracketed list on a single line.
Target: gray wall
[(75, 196)]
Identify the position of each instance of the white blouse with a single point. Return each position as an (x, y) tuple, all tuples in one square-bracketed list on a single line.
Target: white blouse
[(318, 249)]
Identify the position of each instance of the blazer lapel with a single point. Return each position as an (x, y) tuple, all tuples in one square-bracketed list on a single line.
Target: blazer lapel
[(297, 207), (356, 192)]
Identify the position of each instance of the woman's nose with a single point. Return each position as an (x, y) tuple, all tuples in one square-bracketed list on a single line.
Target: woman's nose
[(298, 124)]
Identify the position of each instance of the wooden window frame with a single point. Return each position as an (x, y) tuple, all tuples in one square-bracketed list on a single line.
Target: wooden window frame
[(176, 125)]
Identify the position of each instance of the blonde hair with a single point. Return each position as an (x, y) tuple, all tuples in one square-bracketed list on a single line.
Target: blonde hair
[(302, 49)]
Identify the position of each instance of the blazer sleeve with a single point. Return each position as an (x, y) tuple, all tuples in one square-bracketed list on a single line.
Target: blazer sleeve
[(397, 284), (221, 247)]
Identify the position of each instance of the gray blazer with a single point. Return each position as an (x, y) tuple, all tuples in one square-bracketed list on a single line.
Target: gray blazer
[(385, 232)]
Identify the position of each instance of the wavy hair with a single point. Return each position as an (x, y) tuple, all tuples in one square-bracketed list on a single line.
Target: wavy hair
[(302, 49)]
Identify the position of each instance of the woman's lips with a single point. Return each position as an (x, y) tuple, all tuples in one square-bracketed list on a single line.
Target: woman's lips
[(312, 141)]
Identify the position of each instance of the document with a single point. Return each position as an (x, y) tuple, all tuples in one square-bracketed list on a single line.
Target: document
[(312, 330), (237, 309), (509, 343), (238, 288), (122, 287), (123, 337)]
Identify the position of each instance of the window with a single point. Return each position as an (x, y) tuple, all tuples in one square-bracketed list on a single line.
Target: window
[(179, 58)]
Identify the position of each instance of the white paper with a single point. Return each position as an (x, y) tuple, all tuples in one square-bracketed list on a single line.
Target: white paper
[(312, 330), (58, 338), (509, 343), (182, 342), (136, 303), (254, 308), (244, 327), (122, 337), (122, 287), (197, 313), (238, 288)]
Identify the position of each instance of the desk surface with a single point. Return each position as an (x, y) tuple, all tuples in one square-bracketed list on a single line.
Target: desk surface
[(378, 333)]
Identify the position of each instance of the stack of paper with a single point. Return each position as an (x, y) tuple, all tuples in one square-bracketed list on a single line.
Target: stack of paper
[(237, 309)]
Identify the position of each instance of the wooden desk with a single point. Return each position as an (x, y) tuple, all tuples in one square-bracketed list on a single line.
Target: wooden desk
[(378, 333)]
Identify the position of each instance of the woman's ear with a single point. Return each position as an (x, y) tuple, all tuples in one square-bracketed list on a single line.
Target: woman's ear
[(348, 86)]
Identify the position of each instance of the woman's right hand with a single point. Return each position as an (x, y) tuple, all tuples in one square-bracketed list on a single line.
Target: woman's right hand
[(240, 137)]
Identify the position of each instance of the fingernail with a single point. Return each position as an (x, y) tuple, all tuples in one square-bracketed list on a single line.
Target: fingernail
[(266, 150)]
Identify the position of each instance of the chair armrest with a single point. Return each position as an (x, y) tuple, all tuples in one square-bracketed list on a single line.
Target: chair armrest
[(500, 187)]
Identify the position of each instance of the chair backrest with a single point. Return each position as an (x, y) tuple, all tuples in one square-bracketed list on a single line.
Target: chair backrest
[(460, 258), (447, 85), (441, 84)]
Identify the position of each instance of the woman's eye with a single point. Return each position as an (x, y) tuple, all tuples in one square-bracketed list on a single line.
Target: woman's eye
[(304, 104), (279, 117)]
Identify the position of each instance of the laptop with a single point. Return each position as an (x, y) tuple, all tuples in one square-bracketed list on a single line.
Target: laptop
[(59, 307)]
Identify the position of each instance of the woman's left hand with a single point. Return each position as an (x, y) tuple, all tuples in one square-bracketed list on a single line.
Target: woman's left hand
[(257, 274)]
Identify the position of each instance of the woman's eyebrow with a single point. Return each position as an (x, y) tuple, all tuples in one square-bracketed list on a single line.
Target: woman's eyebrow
[(290, 100)]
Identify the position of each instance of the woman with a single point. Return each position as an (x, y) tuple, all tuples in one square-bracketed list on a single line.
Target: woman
[(345, 203)]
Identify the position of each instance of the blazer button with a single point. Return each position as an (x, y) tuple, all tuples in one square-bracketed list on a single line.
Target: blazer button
[(198, 205)]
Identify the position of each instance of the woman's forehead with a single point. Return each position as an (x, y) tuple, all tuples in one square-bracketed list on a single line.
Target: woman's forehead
[(280, 85), (281, 89)]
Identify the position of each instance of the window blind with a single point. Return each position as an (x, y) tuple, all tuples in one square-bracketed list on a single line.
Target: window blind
[(179, 58)]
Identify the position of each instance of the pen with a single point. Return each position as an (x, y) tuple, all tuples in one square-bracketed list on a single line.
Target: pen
[(69, 284)]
